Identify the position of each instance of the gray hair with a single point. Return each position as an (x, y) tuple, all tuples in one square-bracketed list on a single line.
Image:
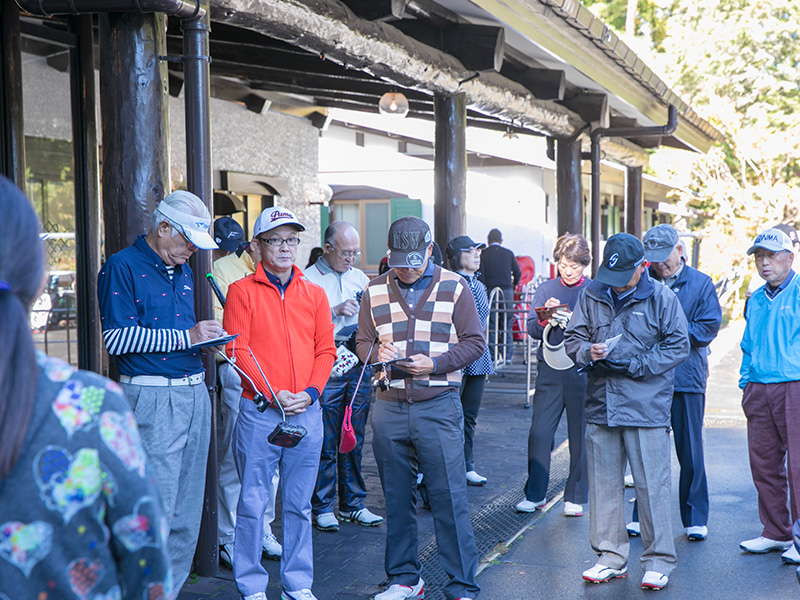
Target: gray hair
[(333, 230), (183, 201)]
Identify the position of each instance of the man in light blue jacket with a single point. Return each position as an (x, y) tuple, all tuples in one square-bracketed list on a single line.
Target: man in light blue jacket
[(629, 333), (770, 378)]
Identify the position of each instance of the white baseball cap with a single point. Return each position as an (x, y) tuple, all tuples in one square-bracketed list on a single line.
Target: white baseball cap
[(773, 240), (196, 229), (274, 217)]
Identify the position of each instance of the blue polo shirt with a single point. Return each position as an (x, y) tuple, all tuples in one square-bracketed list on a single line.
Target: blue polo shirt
[(134, 288)]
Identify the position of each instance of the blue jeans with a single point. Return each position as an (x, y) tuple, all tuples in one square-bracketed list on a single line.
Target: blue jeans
[(346, 468)]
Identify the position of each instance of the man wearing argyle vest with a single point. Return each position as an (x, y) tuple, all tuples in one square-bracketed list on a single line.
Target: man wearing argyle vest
[(426, 315)]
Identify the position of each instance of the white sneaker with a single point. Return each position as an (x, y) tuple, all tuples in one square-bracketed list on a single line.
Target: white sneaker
[(271, 547), (628, 480), (696, 533), (791, 556), (653, 580), (326, 522), (601, 573), (304, 594), (633, 529), (762, 545), (474, 479), (403, 592), (529, 507), (572, 510), (226, 555), (256, 596), (362, 516)]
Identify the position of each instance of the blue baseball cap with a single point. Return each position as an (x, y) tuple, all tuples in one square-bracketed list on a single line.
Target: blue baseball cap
[(228, 234)]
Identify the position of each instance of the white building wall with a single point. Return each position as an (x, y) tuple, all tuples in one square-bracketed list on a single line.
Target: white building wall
[(510, 198), (270, 144)]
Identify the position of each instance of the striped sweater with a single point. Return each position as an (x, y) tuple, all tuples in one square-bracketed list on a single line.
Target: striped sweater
[(444, 326)]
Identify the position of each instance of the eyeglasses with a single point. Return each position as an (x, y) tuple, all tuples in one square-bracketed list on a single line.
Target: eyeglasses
[(473, 250), (179, 229), (347, 253), (277, 242)]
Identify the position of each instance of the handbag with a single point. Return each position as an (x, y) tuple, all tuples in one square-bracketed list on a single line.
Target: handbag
[(347, 437)]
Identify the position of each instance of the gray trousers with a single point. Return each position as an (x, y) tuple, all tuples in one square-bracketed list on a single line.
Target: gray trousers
[(648, 451), (175, 427), (228, 485), (432, 433)]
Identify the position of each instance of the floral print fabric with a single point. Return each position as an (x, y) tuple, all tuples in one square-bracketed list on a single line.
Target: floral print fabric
[(80, 514)]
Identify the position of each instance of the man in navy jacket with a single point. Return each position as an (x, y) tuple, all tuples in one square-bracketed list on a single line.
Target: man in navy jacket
[(698, 298)]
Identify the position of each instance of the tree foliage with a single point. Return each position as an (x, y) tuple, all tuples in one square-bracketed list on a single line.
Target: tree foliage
[(737, 63)]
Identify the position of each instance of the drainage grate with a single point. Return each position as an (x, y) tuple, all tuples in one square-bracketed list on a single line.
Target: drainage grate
[(495, 523)]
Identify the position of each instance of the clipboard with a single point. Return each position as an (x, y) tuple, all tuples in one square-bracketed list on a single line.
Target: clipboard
[(543, 313), (217, 341), (389, 362)]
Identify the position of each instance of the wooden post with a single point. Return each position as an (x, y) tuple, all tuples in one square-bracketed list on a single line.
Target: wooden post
[(634, 201), (135, 125), (12, 133), (450, 168), (569, 188), (87, 195)]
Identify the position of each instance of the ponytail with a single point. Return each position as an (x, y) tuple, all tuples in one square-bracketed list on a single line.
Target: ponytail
[(21, 275), (18, 377)]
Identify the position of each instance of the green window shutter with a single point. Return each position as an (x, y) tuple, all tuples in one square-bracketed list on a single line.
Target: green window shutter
[(405, 207), (324, 221)]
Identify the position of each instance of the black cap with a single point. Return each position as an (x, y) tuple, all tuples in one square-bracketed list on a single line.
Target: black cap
[(621, 256), (228, 234), (409, 238), (461, 243)]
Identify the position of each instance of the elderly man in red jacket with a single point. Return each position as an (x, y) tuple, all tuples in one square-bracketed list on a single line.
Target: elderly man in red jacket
[(285, 337)]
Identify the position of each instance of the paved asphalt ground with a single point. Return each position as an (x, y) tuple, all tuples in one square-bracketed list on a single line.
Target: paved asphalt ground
[(541, 556)]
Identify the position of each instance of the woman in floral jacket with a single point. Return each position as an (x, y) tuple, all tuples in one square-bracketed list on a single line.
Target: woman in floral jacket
[(80, 514)]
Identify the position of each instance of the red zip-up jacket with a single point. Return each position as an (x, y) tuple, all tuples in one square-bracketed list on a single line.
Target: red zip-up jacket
[(291, 334)]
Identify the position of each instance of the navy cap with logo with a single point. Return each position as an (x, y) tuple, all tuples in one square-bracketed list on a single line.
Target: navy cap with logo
[(659, 242), (228, 234), (461, 243), (409, 238), (621, 256)]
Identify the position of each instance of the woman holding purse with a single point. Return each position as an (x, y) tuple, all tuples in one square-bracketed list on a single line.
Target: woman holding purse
[(559, 386)]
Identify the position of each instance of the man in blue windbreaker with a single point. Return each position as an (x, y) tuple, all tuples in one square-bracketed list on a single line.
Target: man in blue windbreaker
[(770, 378), (698, 298)]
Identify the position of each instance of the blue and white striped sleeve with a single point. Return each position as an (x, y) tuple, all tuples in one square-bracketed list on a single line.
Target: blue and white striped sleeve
[(142, 340)]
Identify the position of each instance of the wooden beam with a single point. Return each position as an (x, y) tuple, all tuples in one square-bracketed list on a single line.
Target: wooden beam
[(478, 47), (591, 106), (378, 10), (328, 28), (544, 83)]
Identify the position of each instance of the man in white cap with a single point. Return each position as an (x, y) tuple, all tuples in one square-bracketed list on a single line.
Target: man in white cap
[(239, 263), (286, 339), (146, 295), (770, 378)]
